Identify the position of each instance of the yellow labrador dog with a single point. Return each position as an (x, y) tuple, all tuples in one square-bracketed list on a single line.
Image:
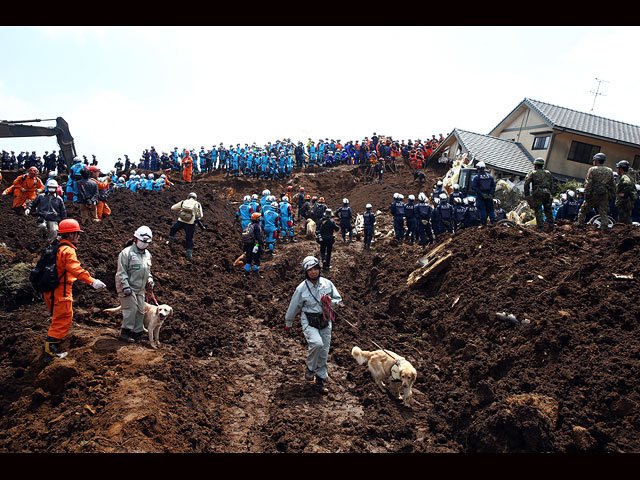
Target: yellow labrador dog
[(389, 369), (154, 317)]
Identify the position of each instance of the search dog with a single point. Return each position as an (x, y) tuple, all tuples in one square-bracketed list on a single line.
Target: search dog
[(389, 369), (154, 317)]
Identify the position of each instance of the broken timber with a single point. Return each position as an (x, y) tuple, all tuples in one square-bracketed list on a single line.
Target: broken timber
[(432, 263)]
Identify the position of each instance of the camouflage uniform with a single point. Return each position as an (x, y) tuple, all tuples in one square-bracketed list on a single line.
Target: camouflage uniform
[(625, 198), (598, 188), (539, 182)]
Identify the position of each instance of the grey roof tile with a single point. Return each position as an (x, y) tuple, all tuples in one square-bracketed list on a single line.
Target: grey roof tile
[(561, 117), (499, 153)]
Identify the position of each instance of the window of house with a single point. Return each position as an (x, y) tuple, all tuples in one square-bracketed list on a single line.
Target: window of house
[(582, 152), (541, 143)]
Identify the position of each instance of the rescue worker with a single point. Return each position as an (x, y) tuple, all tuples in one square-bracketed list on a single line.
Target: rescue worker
[(74, 177), (459, 212), (244, 213), (286, 219), (254, 250), (397, 210), (369, 220), (598, 188), (307, 299), (60, 300), (438, 189), (324, 235), (424, 212), (87, 197), (445, 211), (51, 210), (571, 207), (500, 213), (270, 223), (300, 201), (318, 209), (484, 187), (189, 211), (187, 167), (24, 188), (635, 214), (472, 215), (456, 193), (133, 275), (102, 209), (410, 219), (625, 193), (345, 214), (538, 185)]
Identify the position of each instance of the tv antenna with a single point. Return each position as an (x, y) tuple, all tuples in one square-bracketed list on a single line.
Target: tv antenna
[(597, 92)]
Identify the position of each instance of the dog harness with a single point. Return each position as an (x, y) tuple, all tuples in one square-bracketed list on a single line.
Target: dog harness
[(394, 375)]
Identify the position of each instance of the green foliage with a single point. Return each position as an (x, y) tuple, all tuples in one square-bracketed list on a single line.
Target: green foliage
[(563, 187), (15, 278)]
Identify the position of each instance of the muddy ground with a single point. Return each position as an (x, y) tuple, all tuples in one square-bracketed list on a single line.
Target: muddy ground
[(228, 379)]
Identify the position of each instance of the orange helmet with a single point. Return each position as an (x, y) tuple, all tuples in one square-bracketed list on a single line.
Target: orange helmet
[(33, 170), (69, 225), (255, 216)]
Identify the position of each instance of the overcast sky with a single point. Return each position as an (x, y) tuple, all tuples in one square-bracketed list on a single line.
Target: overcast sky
[(124, 89)]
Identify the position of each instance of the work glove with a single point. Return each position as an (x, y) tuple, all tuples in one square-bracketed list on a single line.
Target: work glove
[(127, 291), (151, 283), (97, 284), (27, 212)]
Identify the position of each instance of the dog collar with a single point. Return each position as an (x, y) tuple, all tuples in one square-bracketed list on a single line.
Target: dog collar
[(395, 372)]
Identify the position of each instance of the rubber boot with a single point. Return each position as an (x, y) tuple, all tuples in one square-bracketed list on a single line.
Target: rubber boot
[(126, 335), (170, 242), (189, 254), (51, 347), (320, 385)]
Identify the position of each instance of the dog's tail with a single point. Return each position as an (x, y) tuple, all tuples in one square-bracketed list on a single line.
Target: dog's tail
[(113, 310), (361, 356)]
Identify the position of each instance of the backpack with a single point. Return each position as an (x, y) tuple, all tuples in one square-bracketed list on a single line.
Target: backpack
[(249, 234), (186, 212), (44, 276)]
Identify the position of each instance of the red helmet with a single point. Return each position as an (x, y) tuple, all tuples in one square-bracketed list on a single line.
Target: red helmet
[(69, 225), (302, 189), (307, 197), (255, 216), (321, 199), (33, 170), (289, 187), (94, 168)]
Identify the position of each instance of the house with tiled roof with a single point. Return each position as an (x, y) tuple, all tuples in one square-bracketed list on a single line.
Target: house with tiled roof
[(566, 139)]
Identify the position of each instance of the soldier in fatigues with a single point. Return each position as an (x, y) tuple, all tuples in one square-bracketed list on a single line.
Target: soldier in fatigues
[(598, 187), (625, 193), (538, 183)]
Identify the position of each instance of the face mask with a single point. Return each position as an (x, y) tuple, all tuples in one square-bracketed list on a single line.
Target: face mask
[(142, 245)]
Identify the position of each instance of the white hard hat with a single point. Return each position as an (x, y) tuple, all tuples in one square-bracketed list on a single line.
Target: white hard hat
[(52, 184), (345, 200), (309, 262), (443, 196), (456, 186), (142, 175), (143, 233), (193, 195), (247, 198), (439, 183), (151, 175), (457, 200), (480, 164), (52, 174), (400, 196), (412, 197), (274, 204), (436, 200), (571, 193), (266, 192), (422, 197), (284, 198), (395, 195), (368, 206), (563, 196), (471, 199), (132, 172)]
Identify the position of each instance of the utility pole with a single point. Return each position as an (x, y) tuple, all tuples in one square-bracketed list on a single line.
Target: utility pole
[(597, 92)]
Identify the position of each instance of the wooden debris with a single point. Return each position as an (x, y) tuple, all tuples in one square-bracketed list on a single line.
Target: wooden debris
[(618, 276), (421, 275)]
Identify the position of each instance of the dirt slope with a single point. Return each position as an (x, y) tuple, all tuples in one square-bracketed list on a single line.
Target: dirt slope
[(227, 378)]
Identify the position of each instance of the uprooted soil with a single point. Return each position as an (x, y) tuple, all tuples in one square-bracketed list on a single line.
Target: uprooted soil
[(228, 379)]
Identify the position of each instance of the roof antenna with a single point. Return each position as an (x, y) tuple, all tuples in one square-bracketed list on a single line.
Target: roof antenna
[(597, 92)]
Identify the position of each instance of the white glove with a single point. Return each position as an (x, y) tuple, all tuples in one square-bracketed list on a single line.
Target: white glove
[(97, 284), (27, 212)]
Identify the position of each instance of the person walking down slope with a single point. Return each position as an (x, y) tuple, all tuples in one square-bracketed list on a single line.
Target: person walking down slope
[(133, 274), (308, 299), (189, 210), (324, 234), (60, 300), (253, 244)]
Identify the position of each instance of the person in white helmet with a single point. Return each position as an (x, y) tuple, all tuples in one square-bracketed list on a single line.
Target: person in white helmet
[(311, 298), (483, 186), (50, 208), (345, 214), (133, 277)]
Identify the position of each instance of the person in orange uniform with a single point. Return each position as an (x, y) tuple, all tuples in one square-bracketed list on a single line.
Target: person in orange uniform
[(60, 300), (187, 167), (26, 187), (102, 208)]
